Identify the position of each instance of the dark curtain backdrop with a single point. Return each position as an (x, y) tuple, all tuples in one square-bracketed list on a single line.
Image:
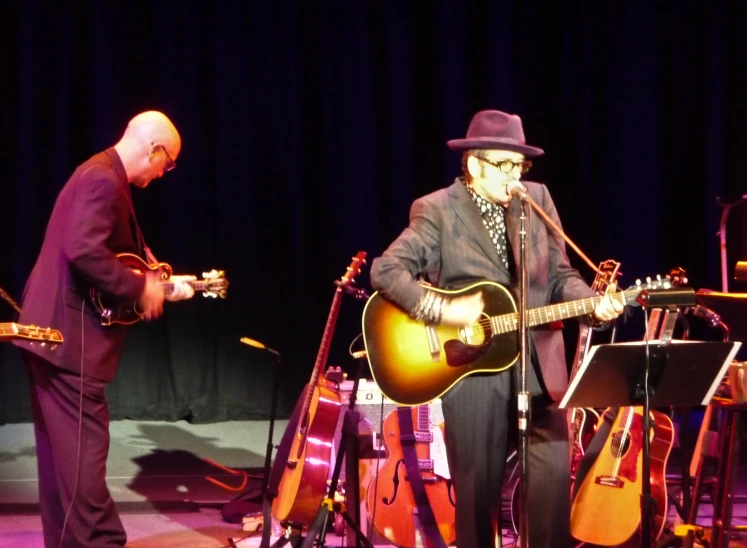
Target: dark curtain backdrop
[(309, 128)]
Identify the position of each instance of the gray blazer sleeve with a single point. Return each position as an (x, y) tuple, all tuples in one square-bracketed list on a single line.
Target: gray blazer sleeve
[(415, 251)]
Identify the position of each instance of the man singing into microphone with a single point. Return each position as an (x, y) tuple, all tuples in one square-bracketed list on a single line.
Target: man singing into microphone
[(469, 232)]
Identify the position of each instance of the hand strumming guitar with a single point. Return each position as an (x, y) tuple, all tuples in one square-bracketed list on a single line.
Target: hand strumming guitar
[(150, 303), (462, 311)]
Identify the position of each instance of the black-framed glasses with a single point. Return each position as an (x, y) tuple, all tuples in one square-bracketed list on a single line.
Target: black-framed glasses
[(170, 163), (507, 166)]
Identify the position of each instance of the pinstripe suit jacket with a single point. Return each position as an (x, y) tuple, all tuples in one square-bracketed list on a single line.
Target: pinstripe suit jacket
[(447, 241)]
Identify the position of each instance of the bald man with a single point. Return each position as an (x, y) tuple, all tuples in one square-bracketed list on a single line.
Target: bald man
[(91, 222)]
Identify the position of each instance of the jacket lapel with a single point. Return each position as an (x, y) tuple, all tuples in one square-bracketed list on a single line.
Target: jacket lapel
[(467, 211)]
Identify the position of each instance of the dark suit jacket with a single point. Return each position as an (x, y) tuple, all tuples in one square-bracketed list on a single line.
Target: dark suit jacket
[(447, 240), (90, 223)]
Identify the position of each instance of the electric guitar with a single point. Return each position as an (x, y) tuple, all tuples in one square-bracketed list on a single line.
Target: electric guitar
[(303, 482), (390, 501), (414, 362), (16, 331), (112, 310), (583, 421)]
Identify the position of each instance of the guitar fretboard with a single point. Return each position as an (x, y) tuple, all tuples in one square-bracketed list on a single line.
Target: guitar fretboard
[(506, 323), (197, 285)]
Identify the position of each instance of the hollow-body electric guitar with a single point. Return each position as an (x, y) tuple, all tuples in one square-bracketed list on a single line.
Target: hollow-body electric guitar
[(115, 310), (582, 421), (390, 500)]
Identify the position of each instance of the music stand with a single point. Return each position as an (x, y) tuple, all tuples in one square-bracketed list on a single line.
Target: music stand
[(613, 375)]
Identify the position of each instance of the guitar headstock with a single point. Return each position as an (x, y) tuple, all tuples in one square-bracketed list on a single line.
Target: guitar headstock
[(36, 334), (676, 278), (607, 274), (214, 284), (353, 270)]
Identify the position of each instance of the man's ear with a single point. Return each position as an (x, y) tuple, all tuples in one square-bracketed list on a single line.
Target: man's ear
[(474, 167)]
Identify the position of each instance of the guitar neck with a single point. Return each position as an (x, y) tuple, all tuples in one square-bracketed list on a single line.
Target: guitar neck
[(197, 285), (321, 357), (505, 323)]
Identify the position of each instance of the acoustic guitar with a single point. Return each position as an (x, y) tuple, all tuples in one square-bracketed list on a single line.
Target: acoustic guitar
[(214, 284), (414, 362), (390, 502), (606, 510), (303, 481), (15, 331)]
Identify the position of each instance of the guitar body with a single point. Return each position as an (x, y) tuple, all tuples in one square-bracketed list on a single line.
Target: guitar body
[(114, 310), (401, 359), (395, 507), (607, 509), (304, 481)]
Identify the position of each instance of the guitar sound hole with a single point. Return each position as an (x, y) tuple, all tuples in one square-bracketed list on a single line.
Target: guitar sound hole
[(620, 443), (475, 334)]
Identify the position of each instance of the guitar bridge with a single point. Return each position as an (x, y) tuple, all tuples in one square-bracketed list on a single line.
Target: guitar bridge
[(434, 345), (609, 481)]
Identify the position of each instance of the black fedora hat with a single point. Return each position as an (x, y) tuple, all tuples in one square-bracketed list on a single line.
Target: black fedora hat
[(493, 129)]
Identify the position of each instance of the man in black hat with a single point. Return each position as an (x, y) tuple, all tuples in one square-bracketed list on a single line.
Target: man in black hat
[(467, 232)]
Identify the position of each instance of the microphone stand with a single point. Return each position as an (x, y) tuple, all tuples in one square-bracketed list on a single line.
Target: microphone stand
[(523, 398), (516, 190), (722, 238), (251, 498)]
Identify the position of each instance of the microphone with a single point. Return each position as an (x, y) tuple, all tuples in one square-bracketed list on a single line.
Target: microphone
[(517, 190), (257, 344)]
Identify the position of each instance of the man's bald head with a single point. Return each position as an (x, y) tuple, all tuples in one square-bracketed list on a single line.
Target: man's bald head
[(149, 147)]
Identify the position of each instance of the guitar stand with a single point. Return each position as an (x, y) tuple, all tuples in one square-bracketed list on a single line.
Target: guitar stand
[(348, 451)]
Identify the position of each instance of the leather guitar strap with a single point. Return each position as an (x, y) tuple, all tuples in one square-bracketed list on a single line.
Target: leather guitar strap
[(425, 512)]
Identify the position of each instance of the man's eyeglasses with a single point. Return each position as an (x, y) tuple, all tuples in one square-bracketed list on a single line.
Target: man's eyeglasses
[(507, 166), (170, 163)]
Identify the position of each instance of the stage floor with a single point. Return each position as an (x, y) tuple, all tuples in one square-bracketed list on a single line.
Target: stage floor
[(157, 475)]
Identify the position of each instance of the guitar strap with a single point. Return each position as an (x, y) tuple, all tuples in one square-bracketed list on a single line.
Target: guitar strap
[(425, 512)]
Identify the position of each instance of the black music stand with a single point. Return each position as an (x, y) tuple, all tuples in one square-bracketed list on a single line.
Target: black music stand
[(680, 373)]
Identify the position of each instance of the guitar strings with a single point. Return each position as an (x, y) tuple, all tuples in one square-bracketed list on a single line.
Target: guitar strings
[(509, 321)]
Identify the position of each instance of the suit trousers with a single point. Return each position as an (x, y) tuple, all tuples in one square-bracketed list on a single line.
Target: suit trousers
[(71, 425), (480, 423)]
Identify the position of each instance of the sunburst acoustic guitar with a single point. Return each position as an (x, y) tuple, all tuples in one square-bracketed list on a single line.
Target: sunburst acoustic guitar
[(414, 362)]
